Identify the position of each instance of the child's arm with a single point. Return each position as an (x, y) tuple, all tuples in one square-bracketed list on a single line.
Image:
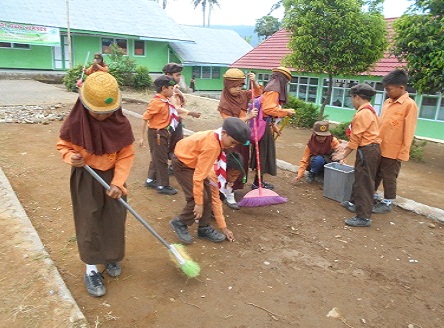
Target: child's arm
[(216, 205), (143, 135), (303, 164)]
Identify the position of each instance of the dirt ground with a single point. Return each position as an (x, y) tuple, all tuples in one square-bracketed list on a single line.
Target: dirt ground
[(291, 265)]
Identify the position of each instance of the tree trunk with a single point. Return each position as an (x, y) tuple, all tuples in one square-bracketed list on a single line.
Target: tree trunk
[(203, 13), (209, 15), (327, 97)]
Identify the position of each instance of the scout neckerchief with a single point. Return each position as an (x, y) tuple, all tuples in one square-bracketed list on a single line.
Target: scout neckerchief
[(349, 129), (174, 116), (220, 166)]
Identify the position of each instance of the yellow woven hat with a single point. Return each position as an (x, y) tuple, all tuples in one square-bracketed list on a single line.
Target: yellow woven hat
[(100, 93), (283, 70), (234, 74)]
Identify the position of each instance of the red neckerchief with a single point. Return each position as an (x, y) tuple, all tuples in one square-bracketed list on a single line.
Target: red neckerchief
[(174, 116), (220, 166)]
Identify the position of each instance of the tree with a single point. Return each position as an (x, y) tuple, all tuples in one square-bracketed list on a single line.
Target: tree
[(419, 40), (204, 4), (266, 26), (335, 37)]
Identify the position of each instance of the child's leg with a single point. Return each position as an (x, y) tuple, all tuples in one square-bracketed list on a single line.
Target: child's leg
[(160, 157)]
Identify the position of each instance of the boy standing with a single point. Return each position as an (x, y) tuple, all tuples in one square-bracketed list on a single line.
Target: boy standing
[(196, 156), (397, 125), (363, 138), (97, 133), (161, 118)]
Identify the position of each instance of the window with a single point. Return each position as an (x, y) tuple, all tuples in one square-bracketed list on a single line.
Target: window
[(340, 95), (14, 45), (107, 42), (263, 78), (139, 48), (206, 72), (432, 107), (304, 88)]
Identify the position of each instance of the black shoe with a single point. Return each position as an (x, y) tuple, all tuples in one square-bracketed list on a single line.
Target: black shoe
[(358, 222), (181, 230), (310, 178), (94, 284), (113, 269), (167, 190), (209, 233), (350, 207), (381, 208), (170, 170), (151, 184), (265, 185)]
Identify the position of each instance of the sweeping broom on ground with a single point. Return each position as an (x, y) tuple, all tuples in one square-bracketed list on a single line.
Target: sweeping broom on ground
[(260, 196), (182, 260)]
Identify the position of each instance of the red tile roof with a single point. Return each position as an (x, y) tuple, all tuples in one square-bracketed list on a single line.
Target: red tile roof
[(269, 54)]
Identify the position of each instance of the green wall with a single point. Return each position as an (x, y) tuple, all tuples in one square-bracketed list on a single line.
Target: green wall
[(37, 57)]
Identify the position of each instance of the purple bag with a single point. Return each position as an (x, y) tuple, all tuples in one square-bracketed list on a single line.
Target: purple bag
[(260, 122)]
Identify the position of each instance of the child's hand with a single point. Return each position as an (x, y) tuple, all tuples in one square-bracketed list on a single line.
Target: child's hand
[(77, 160), (228, 234), (114, 192), (252, 113), (194, 114), (296, 180), (198, 210), (141, 141), (252, 76), (290, 111)]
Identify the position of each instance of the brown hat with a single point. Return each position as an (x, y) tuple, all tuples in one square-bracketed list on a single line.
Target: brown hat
[(164, 81), (321, 128), (283, 70), (237, 129), (100, 93), (362, 89), (234, 74), (171, 68)]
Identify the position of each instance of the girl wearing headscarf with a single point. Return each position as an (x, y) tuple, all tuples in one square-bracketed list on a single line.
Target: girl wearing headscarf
[(234, 103), (273, 97)]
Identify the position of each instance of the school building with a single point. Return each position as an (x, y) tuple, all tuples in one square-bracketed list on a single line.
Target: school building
[(55, 35), (313, 87)]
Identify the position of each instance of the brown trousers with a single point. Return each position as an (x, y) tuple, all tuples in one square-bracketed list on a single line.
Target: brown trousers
[(99, 219), (388, 172), (184, 176), (245, 152), (366, 165), (159, 141)]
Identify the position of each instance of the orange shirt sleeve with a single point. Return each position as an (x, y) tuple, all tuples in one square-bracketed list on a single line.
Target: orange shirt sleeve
[(270, 105), (157, 114), (303, 164), (216, 203)]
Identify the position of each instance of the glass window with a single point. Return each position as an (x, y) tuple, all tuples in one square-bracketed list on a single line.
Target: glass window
[(441, 111), (340, 95), (14, 45), (215, 73), (428, 108), (107, 42), (122, 44), (196, 71), (304, 88), (206, 72), (5, 45), (139, 48)]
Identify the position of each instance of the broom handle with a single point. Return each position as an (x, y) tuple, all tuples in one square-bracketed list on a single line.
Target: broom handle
[(84, 65), (284, 123), (256, 144), (128, 207)]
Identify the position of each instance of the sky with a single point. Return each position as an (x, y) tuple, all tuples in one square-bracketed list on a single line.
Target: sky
[(246, 12)]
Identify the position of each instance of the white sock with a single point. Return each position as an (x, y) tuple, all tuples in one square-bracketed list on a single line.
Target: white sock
[(149, 180), (159, 187), (90, 268), (387, 201)]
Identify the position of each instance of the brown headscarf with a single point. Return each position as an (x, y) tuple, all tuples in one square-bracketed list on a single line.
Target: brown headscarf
[(278, 82), (320, 148), (233, 105), (97, 137)]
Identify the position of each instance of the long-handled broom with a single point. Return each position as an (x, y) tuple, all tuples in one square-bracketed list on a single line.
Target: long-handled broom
[(80, 81), (261, 196), (182, 260)]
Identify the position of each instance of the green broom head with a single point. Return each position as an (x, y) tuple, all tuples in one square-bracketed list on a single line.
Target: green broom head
[(183, 261)]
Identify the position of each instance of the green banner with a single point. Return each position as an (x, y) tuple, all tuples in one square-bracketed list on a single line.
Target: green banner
[(29, 34)]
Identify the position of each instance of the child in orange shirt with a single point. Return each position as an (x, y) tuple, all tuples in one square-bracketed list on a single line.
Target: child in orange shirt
[(98, 65), (364, 139), (397, 125), (194, 160), (161, 118), (97, 133)]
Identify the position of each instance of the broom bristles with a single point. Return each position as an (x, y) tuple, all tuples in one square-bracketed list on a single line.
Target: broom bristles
[(261, 197), (183, 261)]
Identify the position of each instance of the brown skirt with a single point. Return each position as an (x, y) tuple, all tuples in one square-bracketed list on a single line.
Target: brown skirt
[(267, 151), (99, 219)]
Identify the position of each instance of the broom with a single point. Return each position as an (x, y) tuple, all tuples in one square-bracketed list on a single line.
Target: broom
[(260, 196), (80, 81), (179, 256)]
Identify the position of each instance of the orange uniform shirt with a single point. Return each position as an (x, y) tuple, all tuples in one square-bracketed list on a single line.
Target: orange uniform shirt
[(158, 112), (122, 161), (397, 125), (271, 106), (364, 129), (199, 152)]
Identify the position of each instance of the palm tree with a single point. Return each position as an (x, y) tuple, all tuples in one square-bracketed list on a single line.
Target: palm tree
[(204, 4), (210, 9), (277, 5)]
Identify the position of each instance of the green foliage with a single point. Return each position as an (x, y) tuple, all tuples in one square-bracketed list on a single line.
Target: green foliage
[(339, 130), (306, 114), (266, 26), (335, 37), (419, 40), (71, 77), (417, 150), (121, 67), (141, 78)]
